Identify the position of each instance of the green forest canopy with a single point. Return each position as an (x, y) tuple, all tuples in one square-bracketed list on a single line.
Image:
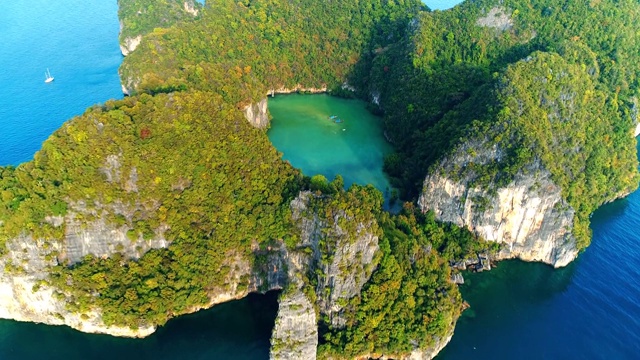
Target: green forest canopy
[(220, 186)]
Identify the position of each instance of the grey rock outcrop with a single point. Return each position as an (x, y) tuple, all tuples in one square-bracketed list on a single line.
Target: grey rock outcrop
[(457, 278), (297, 88), (190, 7), (498, 18), (344, 262), (257, 114), (295, 334), (25, 292), (528, 215), (345, 272), (102, 240), (129, 44)]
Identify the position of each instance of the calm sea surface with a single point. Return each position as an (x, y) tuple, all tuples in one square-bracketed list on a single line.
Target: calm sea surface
[(589, 310)]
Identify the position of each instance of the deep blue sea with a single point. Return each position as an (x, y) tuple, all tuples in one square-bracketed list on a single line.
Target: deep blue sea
[(588, 310), (78, 41)]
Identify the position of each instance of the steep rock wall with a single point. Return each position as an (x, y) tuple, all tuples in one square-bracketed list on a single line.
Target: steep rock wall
[(25, 293), (343, 262), (129, 44), (528, 216), (298, 88), (256, 113), (295, 334)]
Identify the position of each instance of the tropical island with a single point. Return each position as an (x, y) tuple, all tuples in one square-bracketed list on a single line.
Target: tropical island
[(512, 122)]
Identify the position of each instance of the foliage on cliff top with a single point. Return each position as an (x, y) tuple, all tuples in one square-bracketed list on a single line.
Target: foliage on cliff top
[(140, 17), (219, 186), (449, 59), (187, 162), (549, 109), (552, 110), (242, 49), (409, 302)]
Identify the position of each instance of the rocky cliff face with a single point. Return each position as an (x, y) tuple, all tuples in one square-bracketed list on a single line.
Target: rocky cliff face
[(257, 114), (295, 334), (25, 293), (342, 264), (129, 44), (498, 18), (528, 216), (298, 88)]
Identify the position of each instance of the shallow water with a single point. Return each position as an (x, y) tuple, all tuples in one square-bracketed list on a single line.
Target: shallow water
[(441, 4), (354, 148)]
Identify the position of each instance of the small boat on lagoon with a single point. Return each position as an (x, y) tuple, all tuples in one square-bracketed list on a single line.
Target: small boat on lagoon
[(335, 119)]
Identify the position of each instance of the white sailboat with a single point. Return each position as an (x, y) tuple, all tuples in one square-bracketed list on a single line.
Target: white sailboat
[(48, 77)]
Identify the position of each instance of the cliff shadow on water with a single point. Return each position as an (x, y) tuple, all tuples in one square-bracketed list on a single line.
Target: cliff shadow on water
[(235, 330)]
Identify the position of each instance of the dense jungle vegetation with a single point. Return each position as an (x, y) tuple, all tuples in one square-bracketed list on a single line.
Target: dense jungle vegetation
[(576, 118), (140, 17), (555, 82)]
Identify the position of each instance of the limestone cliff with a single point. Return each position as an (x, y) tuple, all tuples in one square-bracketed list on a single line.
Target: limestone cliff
[(528, 216), (343, 261), (295, 334), (136, 20), (129, 44), (25, 291), (498, 18), (257, 114), (339, 262)]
